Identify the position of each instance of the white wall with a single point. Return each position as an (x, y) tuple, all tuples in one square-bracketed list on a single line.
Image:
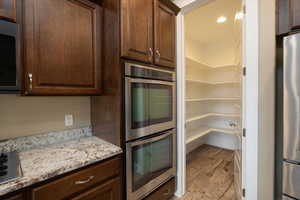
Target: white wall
[(213, 54)]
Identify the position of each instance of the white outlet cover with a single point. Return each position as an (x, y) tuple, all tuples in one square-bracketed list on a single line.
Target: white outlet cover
[(68, 120)]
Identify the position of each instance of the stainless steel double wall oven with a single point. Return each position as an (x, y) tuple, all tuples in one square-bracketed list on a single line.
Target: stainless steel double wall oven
[(150, 96)]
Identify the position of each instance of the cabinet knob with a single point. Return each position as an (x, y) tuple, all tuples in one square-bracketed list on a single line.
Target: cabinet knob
[(150, 54), (157, 55), (30, 80)]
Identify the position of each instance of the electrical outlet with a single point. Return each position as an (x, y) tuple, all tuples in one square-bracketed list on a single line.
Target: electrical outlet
[(68, 120)]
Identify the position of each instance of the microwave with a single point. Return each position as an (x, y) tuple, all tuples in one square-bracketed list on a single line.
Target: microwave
[(9, 56), (150, 99)]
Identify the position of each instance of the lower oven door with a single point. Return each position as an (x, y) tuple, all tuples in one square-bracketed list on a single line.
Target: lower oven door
[(150, 163)]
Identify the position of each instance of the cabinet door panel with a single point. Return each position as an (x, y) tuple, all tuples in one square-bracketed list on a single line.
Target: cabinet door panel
[(62, 45), (283, 16), (165, 37), (295, 14), (107, 191), (137, 30), (8, 9)]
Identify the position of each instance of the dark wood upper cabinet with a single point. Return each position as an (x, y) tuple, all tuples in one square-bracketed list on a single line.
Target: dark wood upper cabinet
[(148, 31), (8, 10), (108, 191), (137, 30), (165, 35), (62, 46), (295, 14), (288, 16)]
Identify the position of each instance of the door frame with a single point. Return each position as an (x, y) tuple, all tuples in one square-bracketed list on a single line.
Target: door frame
[(258, 115)]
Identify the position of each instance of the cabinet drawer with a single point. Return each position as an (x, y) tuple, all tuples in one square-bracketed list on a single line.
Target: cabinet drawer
[(107, 191), (164, 192), (77, 182)]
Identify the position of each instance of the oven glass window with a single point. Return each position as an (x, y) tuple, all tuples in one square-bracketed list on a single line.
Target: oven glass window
[(151, 160), (7, 60), (140, 105), (151, 104), (160, 103)]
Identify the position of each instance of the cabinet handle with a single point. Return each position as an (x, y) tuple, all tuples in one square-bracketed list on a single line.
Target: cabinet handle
[(158, 55), (167, 192), (30, 80), (85, 181), (150, 54)]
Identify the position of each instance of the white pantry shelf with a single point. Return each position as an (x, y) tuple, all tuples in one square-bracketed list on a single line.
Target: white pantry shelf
[(199, 133), (190, 61), (213, 99), (232, 115), (212, 83)]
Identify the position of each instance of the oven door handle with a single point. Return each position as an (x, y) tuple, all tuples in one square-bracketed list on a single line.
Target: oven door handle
[(153, 139), (139, 80)]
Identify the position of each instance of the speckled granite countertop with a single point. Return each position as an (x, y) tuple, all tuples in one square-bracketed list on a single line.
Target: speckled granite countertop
[(43, 163)]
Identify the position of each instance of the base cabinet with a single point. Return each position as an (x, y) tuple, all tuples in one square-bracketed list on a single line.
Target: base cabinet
[(101, 181)]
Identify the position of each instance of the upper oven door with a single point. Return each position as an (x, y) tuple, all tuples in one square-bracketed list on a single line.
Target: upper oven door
[(9, 52), (150, 107)]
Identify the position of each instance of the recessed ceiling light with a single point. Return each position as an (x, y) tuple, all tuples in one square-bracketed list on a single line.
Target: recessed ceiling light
[(221, 19), (239, 15)]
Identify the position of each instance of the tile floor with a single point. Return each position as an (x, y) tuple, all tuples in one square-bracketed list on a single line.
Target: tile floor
[(210, 174)]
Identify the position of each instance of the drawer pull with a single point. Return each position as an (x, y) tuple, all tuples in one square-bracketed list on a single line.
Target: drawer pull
[(167, 192), (85, 181)]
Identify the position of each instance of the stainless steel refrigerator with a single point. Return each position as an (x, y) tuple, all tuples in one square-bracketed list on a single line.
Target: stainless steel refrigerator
[(291, 118)]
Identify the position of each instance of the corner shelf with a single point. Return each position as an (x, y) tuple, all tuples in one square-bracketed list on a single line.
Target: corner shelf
[(197, 134), (204, 65), (231, 115)]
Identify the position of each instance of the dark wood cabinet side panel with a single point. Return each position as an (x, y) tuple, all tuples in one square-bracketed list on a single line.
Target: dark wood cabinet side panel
[(165, 35), (137, 30), (62, 47), (8, 10), (106, 109)]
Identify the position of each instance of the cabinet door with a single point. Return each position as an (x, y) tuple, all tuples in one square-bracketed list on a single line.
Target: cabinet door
[(8, 10), (137, 30), (107, 191), (62, 47), (165, 36), (295, 14)]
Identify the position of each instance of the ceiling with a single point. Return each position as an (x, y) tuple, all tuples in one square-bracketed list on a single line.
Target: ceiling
[(201, 25)]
